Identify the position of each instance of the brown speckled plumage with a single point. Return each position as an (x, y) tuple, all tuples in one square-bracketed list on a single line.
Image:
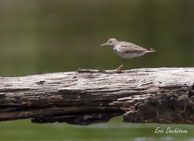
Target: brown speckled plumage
[(126, 50)]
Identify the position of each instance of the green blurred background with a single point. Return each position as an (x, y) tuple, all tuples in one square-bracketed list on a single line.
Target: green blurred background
[(38, 36)]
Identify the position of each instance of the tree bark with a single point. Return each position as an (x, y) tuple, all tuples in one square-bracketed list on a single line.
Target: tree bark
[(150, 95)]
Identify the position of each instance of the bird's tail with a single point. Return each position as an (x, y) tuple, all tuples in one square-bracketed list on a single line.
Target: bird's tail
[(150, 50)]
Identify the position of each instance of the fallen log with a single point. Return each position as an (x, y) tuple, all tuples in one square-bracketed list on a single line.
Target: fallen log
[(150, 95)]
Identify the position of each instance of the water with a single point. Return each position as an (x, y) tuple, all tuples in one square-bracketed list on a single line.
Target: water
[(55, 36), (115, 130)]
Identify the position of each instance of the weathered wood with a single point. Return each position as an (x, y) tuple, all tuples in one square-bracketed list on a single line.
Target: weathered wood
[(158, 95)]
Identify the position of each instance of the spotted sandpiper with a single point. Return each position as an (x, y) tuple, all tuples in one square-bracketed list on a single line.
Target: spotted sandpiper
[(126, 50)]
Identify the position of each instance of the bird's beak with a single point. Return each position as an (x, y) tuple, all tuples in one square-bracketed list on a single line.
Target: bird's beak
[(105, 44)]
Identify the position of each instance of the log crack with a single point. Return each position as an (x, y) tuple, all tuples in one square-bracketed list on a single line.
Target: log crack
[(147, 95)]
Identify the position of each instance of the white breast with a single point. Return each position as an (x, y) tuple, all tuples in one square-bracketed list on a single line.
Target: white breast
[(126, 55)]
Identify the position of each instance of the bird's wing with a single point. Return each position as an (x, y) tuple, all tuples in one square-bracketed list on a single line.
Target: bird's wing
[(130, 47)]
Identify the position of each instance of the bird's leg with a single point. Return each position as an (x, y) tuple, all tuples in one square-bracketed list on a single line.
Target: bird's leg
[(118, 69)]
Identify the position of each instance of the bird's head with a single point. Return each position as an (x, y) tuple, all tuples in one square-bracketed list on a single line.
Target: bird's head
[(110, 42)]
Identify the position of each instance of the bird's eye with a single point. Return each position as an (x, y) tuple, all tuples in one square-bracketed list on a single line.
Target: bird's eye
[(110, 41)]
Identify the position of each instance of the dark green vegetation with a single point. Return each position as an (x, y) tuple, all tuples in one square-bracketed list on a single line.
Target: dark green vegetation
[(55, 36)]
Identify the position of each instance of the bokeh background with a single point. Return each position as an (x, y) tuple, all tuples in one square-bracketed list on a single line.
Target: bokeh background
[(38, 36)]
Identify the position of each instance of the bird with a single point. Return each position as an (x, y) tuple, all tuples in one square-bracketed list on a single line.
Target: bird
[(126, 50)]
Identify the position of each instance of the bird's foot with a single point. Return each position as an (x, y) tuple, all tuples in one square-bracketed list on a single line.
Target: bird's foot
[(118, 71)]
